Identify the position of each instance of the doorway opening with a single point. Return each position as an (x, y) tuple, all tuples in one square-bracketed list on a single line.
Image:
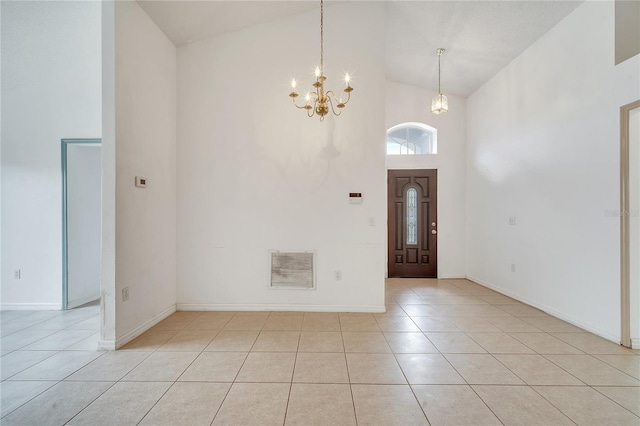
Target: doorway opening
[(81, 221), (630, 224)]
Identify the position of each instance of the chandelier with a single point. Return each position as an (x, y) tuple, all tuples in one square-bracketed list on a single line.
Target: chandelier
[(318, 101), (439, 103)]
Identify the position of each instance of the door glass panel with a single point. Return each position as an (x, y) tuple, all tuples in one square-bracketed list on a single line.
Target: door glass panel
[(412, 216)]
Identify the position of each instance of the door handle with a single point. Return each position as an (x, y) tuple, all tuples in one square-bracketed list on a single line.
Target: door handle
[(434, 232)]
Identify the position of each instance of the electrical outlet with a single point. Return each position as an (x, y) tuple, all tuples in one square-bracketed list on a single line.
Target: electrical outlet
[(513, 267), (372, 221), (17, 274), (338, 275), (125, 294)]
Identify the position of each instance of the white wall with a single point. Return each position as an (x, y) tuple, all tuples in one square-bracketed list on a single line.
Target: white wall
[(254, 173), (543, 145), (51, 89), (84, 228), (145, 145), (407, 103)]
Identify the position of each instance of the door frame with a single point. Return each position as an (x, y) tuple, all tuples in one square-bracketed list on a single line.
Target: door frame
[(64, 143), (411, 167), (625, 251)]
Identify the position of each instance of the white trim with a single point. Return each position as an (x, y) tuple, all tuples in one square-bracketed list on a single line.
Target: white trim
[(452, 276), (79, 302), (106, 345), (635, 343), (302, 308), (551, 311), (432, 130), (31, 307), (129, 336)]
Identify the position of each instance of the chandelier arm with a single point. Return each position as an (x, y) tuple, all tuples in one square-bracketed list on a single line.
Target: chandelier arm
[(348, 98), (313, 98), (333, 110), (296, 104), (339, 100), (332, 94)]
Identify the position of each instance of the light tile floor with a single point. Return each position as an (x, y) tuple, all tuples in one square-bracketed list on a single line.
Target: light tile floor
[(447, 352)]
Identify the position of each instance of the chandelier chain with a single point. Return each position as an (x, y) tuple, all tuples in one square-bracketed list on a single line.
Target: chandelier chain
[(321, 35)]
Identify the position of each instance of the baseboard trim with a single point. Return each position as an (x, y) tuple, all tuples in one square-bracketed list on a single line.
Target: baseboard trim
[(635, 343), (31, 306), (106, 345), (550, 311), (257, 307), (129, 336), (79, 302), (452, 276)]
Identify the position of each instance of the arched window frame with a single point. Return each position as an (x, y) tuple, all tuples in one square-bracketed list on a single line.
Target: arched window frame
[(409, 147)]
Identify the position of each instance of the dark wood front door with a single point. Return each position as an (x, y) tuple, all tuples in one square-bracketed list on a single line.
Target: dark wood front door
[(413, 225)]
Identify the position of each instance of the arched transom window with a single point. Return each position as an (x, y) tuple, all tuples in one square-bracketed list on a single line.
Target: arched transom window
[(411, 139)]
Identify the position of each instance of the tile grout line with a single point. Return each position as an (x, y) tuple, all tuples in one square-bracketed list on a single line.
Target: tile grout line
[(180, 375), (553, 405), (26, 368), (613, 366), (485, 403), (344, 352), (155, 403), (87, 406), (546, 356), (234, 381), (424, 413), (293, 372), (614, 401)]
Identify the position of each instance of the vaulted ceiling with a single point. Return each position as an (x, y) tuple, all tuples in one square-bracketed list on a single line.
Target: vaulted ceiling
[(480, 37)]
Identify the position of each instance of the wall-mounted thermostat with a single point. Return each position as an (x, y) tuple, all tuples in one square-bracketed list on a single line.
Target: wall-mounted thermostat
[(141, 182), (355, 197)]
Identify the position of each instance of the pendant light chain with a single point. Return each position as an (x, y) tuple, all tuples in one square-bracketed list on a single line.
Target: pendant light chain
[(439, 56)]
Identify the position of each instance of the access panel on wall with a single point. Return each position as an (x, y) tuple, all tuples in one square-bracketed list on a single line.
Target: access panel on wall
[(413, 225)]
